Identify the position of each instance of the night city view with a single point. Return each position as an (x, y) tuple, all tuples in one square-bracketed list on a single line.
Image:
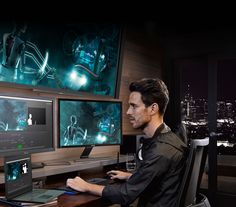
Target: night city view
[(195, 117)]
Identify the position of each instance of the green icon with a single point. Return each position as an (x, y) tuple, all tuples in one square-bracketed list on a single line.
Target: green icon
[(20, 146)]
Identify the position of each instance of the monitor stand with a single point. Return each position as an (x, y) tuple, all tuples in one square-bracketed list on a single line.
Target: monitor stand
[(86, 152)]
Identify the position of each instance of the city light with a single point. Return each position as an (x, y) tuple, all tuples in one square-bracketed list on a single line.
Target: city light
[(195, 117)]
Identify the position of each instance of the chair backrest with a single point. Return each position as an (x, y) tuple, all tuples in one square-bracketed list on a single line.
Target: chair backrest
[(192, 174)]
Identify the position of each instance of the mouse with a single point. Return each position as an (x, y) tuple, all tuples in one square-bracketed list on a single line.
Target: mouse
[(68, 190)]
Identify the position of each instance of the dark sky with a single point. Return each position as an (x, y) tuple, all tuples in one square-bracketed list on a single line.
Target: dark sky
[(226, 79), (195, 74)]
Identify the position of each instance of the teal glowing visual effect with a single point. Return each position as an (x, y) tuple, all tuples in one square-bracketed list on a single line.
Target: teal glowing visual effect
[(13, 115), (84, 122), (101, 138)]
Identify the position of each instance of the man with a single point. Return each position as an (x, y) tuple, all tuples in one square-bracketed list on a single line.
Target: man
[(157, 178)]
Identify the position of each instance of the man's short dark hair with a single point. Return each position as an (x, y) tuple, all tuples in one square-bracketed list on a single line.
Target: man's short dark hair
[(152, 91)]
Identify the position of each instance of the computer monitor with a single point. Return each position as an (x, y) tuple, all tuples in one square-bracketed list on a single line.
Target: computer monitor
[(66, 57), (26, 125), (89, 123)]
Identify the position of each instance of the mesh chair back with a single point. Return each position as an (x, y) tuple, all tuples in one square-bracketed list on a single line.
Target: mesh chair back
[(192, 172)]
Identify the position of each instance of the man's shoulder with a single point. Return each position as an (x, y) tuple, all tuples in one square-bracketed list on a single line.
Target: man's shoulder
[(170, 139)]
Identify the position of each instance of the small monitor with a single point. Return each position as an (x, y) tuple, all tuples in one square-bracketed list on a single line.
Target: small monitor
[(88, 123), (18, 175), (26, 125)]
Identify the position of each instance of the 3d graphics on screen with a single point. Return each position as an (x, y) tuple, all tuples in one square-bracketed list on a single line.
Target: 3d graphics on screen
[(69, 57), (83, 123)]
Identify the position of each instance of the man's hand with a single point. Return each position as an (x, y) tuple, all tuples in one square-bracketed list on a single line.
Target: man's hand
[(79, 184), (117, 174)]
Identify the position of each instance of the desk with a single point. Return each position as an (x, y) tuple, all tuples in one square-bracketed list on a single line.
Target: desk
[(82, 199), (78, 165), (57, 176), (79, 200)]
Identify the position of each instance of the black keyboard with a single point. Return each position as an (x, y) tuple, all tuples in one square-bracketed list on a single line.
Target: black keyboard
[(99, 181), (57, 163)]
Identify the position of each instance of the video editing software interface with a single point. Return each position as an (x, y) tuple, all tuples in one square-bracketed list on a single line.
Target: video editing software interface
[(18, 177), (89, 122), (26, 124)]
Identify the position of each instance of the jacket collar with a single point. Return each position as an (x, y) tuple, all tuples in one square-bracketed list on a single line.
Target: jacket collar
[(163, 128)]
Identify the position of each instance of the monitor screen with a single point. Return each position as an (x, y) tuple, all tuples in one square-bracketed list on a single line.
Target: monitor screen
[(26, 125), (89, 122), (18, 175), (65, 57)]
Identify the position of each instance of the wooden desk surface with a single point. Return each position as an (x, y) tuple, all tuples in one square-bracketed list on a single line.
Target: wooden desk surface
[(80, 200)]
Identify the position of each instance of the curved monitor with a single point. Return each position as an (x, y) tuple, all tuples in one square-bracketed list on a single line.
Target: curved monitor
[(89, 122), (26, 125)]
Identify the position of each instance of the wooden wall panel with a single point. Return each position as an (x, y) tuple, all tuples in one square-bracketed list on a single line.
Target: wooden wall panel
[(142, 58)]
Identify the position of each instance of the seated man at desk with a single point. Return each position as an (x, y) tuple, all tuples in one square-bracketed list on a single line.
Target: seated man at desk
[(157, 179)]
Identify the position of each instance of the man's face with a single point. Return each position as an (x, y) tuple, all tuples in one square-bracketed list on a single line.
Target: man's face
[(139, 114)]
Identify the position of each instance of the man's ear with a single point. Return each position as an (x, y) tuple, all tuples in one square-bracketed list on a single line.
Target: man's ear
[(154, 108)]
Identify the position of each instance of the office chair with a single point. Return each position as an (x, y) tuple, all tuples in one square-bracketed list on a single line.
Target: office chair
[(192, 175)]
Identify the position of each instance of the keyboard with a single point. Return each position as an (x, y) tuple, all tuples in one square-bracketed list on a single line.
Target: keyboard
[(99, 181), (57, 163), (93, 159)]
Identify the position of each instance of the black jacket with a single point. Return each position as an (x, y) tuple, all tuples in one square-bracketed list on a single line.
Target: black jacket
[(157, 178)]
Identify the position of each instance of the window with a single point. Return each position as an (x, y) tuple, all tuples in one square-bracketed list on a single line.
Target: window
[(226, 106), (194, 96)]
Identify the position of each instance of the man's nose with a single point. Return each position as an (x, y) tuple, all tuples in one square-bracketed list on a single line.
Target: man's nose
[(128, 111)]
